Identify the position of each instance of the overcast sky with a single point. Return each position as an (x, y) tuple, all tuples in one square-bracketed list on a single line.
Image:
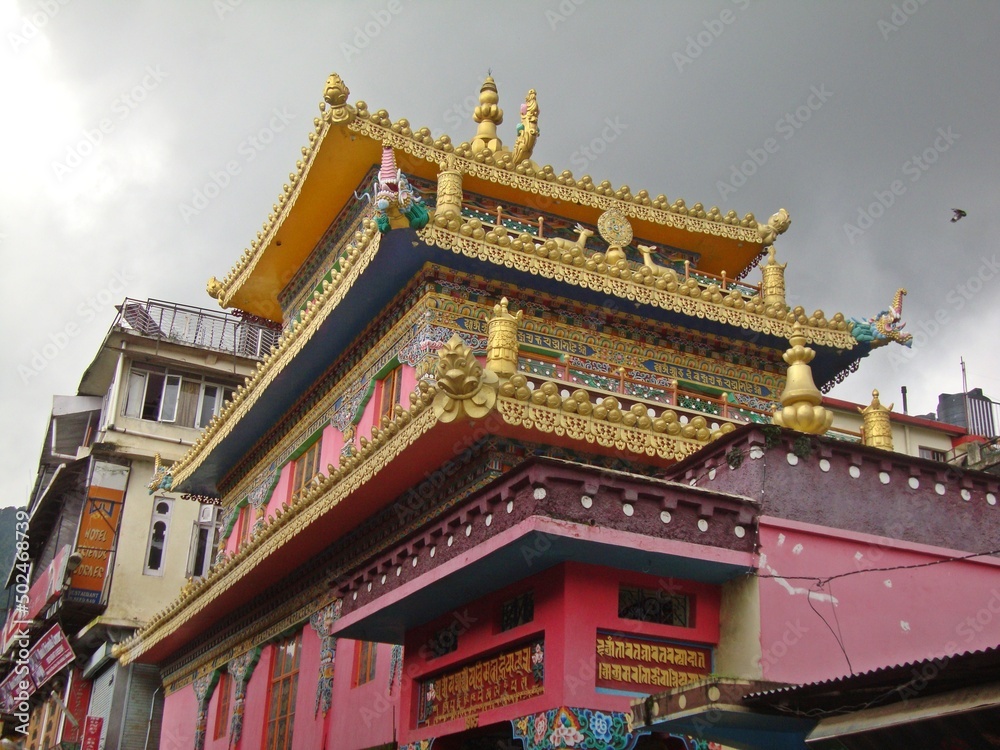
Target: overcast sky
[(117, 113)]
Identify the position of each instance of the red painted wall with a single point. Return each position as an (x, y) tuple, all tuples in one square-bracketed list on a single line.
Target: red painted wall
[(180, 713), (883, 618), (572, 602), (362, 715), (308, 728)]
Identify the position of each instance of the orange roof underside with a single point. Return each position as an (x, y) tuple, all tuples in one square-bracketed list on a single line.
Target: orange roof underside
[(341, 162)]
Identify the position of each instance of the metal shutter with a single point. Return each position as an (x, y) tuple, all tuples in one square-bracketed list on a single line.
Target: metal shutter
[(143, 710), (102, 690)]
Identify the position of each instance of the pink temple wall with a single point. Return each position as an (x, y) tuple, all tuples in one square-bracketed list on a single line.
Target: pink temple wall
[(572, 602), (180, 712), (362, 716), (883, 617)]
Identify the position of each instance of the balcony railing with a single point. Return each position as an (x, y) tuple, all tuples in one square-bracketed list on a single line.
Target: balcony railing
[(195, 326)]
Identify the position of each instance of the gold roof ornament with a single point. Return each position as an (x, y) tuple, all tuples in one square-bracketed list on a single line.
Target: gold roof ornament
[(465, 388), (488, 114), (877, 430), (527, 130), (801, 400), (617, 232)]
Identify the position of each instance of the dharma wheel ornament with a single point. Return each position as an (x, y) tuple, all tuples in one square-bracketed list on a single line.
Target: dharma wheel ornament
[(617, 232)]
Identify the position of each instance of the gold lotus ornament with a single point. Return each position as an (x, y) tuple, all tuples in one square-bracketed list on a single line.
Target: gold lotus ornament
[(465, 388)]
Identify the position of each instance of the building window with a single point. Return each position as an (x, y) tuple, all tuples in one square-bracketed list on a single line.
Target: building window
[(204, 540), (222, 715), (517, 611), (281, 699), (159, 525), (932, 454), (185, 400), (305, 467), (389, 394), (654, 605), (364, 662)]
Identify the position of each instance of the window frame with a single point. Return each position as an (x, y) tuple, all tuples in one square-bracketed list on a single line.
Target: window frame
[(389, 394), (363, 670), (279, 660), (158, 517), (306, 466), (223, 690), (135, 406)]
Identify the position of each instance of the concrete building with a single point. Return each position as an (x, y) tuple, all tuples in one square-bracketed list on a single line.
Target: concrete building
[(102, 553)]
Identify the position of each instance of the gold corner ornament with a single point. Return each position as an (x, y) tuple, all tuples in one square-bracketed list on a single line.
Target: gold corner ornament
[(501, 341), (527, 130), (214, 288), (801, 400), (335, 93), (465, 388), (877, 430), (777, 224), (488, 114)]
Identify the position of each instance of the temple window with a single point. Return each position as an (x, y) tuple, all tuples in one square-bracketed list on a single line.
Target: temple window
[(306, 467), (204, 539), (281, 698), (364, 662), (158, 526), (517, 611), (654, 605), (388, 394), (222, 715), (246, 525)]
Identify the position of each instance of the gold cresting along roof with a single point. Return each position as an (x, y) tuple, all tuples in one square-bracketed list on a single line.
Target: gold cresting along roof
[(497, 168)]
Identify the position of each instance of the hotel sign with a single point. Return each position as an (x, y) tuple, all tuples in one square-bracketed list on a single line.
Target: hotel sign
[(490, 683), (629, 662), (98, 532)]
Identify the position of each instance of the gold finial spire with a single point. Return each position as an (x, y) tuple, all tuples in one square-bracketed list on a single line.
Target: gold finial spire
[(877, 431), (801, 399), (773, 286), (488, 114), (501, 346)]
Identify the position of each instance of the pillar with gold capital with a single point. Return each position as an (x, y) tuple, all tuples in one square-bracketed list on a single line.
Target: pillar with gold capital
[(877, 430), (501, 341)]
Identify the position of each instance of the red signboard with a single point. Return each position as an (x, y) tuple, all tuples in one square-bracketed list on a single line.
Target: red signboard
[(483, 685), (92, 733), (628, 662), (45, 590), (98, 531), (77, 702), (50, 654), (15, 689)]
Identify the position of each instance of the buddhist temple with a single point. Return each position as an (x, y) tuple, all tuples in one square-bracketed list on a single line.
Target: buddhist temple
[(531, 449)]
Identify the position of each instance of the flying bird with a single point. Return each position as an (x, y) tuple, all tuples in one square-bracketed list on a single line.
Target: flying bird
[(959, 213)]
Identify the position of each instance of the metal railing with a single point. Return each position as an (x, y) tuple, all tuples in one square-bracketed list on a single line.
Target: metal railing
[(195, 326)]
